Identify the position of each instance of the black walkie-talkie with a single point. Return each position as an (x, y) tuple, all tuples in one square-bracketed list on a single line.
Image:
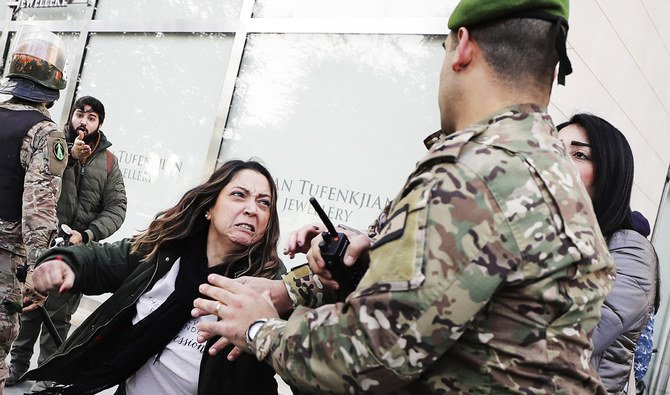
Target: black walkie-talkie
[(333, 249)]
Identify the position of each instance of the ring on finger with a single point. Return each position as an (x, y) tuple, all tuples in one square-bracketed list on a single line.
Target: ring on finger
[(216, 310)]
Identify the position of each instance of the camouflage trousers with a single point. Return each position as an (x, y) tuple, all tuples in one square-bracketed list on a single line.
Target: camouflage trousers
[(10, 291)]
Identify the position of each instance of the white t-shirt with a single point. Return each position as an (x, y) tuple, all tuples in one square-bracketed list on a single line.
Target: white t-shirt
[(177, 369)]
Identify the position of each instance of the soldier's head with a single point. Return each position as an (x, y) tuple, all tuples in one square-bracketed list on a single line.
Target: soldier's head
[(604, 161), (35, 71), (499, 54), (87, 116)]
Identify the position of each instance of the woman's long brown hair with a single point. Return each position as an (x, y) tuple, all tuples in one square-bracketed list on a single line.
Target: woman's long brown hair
[(188, 215)]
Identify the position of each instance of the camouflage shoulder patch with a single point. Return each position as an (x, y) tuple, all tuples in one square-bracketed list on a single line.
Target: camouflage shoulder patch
[(56, 154), (433, 138), (394, 227), (448, 150), (59, 150), (401, 245)]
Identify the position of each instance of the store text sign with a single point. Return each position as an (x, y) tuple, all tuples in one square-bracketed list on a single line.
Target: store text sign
[(41, 3)]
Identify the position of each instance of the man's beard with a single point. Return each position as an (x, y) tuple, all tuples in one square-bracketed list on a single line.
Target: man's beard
[(88, 137), (91, 137)]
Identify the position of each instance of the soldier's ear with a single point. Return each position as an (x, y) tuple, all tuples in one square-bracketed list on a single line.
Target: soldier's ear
[(464, 50)]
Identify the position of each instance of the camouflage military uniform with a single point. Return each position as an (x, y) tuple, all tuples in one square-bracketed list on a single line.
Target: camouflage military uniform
[(29, 237), (487, 276)]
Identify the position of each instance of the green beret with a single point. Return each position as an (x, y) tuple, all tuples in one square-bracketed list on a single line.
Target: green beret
[(474, 12)]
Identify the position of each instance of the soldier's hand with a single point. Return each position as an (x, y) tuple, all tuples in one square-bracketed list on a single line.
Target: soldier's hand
[(299, 241), (53, 275), (80, 149), (75, 237), (236, 305), (357, 252), (234, 353), (30, 304), (31, 297)]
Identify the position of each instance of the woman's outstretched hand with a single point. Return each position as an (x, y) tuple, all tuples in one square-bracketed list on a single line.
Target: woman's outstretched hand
[(53, 275)]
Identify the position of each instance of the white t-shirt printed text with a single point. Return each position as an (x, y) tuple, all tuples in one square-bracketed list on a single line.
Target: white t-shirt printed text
[(176, 370)]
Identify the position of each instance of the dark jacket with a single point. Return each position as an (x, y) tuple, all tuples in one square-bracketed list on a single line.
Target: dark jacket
[(93, 197), (101, 268), (626, 308)]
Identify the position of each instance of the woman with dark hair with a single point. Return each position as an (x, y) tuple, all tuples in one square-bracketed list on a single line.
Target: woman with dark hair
[(605, 163), (143, 337)]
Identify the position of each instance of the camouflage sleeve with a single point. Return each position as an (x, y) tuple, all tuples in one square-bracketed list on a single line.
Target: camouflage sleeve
[(305, 289), (438, 260), (44, 156)]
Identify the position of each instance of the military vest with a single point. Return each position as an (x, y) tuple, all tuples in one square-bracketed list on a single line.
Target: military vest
[(14, 125)]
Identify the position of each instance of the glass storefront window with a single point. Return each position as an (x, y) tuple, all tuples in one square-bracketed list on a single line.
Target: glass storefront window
[(353, 8), (167, 9), (161, 94), (314, 108), (71, 42)]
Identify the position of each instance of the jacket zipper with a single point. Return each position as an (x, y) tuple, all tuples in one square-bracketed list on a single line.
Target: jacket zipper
[(82, 171)]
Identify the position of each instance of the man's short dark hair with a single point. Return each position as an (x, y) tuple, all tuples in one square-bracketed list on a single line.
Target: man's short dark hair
[(95, 104), (519, 50)]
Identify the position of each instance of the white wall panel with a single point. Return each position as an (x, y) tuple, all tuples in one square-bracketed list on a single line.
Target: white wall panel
[(642, 42), (621, 61), (640, 202), (592, 97), (658, 12), (583, 92)]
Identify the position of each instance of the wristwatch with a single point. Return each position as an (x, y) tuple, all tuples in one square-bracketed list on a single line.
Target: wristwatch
[(253, 330)]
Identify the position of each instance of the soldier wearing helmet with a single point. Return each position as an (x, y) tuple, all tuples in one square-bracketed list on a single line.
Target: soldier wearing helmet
[(33, 156)]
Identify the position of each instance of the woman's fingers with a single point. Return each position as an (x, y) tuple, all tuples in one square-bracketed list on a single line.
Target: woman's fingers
[(220, 345), (203, 336), (68, 281), (196, 312), (299, 241)]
